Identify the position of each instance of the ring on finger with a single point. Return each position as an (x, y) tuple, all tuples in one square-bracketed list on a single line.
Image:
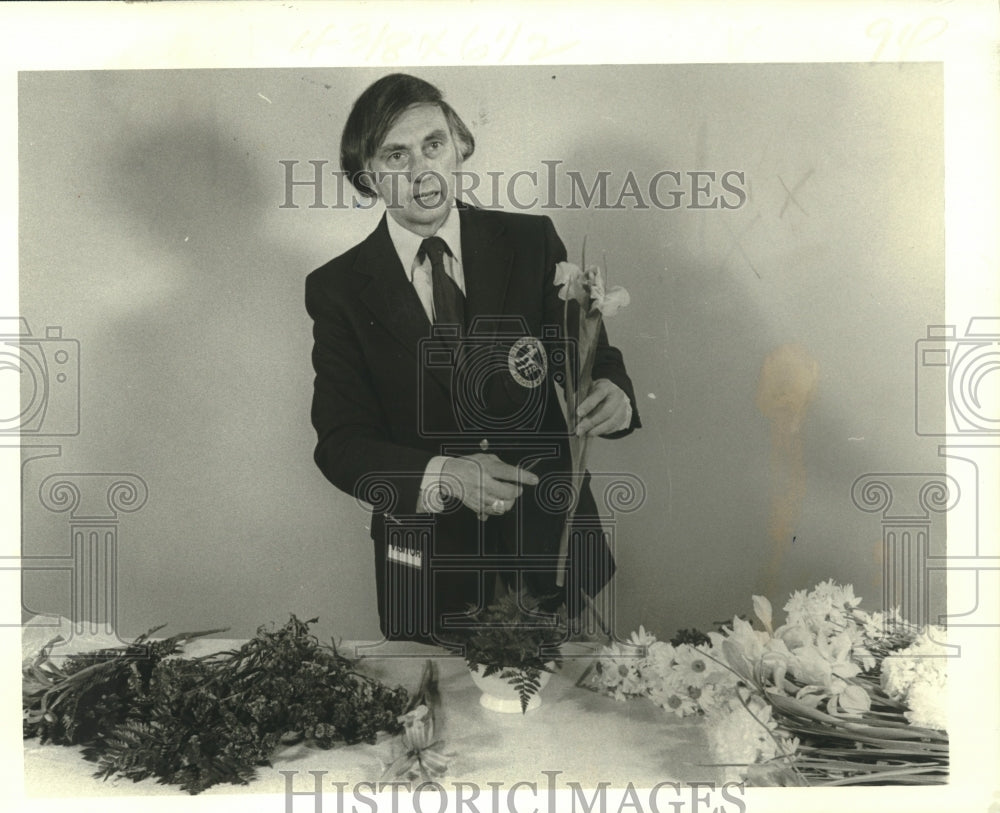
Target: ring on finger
[(497, 505)]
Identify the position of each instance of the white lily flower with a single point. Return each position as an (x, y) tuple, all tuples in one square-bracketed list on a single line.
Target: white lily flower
[(762, 609)]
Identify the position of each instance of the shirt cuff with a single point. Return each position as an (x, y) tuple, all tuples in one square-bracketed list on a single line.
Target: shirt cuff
[(432, 494)]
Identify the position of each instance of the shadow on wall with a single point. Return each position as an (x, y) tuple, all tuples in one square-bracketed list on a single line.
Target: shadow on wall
[(195, 372), (189, 187)]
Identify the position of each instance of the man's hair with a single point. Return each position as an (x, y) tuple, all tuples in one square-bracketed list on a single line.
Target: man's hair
[(375, 112)]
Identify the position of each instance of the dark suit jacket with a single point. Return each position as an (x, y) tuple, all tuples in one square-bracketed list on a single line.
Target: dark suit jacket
[(389, 396)]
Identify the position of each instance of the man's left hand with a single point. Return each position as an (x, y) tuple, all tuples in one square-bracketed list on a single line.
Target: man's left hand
[(606, 409)]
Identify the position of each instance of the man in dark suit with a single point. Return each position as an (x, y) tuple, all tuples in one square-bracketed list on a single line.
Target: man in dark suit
[(438, 341)]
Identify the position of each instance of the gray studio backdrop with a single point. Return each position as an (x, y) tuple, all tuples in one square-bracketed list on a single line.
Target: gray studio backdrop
[(772, 344)]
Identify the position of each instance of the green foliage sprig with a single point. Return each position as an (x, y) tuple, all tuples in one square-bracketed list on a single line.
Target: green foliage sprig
[(692, 637), (89, 693), (512, 639), (198, 722)]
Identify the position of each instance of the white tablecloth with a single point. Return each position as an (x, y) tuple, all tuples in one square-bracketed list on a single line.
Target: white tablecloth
[(588, 738)]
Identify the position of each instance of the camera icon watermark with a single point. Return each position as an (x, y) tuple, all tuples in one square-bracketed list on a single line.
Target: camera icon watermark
[(46, 370), (957, 380), (957, 397)]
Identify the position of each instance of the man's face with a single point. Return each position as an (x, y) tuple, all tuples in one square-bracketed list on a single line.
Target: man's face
[(413, 169)]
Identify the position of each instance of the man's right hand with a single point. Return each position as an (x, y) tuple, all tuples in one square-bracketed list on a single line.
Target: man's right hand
[(484, 483)]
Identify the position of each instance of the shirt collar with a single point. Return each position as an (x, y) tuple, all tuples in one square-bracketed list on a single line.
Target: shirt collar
[(407, 243)]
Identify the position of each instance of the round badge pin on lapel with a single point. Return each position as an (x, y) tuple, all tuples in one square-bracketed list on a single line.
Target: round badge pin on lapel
[(527, 362)]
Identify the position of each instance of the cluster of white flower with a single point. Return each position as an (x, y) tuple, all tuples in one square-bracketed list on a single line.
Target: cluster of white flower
[(683, 679), (815, 657), (917, 676), (625, 670), (829, 616), (690, 680), (828, 603), (746, 736), (687, 680)]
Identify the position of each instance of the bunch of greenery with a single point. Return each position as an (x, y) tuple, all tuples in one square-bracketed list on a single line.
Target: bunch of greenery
[(512, 639), (197, 722)]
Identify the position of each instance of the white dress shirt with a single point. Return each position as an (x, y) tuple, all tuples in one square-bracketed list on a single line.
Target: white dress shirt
[(407, 245)]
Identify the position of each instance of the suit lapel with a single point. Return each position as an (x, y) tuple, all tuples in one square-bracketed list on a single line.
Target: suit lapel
[(393, 301), (390, 295), (486, 262)]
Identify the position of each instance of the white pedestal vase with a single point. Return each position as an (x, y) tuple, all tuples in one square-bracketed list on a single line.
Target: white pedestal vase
[(498, 694)]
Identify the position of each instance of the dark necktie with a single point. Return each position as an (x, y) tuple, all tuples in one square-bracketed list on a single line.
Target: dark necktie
[(449, 303)]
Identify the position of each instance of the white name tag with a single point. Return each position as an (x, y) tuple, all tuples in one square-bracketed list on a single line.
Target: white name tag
[(406, 556)]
